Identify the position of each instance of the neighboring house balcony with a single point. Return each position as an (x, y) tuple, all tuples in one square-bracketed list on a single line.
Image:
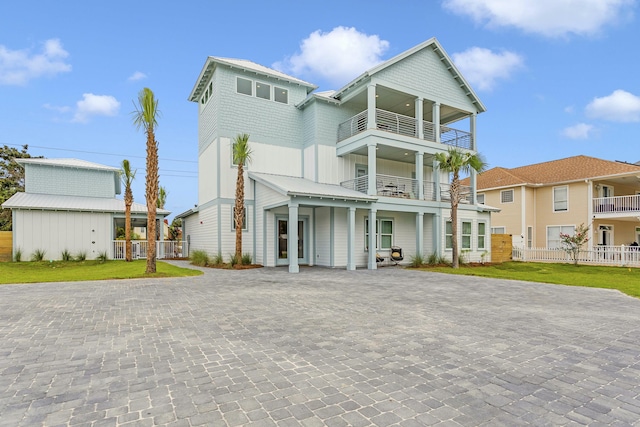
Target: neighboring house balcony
[(617, 207), (407, 188), (388, 121)]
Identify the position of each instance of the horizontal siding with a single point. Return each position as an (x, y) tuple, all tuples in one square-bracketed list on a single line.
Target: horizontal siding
[(46, 179)]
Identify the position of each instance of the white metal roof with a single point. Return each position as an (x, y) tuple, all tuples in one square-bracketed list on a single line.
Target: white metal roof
[(51, 202), (68, 163), (294, 186)]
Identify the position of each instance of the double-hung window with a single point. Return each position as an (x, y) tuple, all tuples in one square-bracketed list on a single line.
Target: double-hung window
[(553, 234), (482, 235), (448, 235), (244, 218), (384, 234), (560, 198), (466, 235)]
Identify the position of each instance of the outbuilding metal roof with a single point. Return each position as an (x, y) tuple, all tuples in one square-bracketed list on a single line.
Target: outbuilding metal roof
[(67, 163), (50, 202)]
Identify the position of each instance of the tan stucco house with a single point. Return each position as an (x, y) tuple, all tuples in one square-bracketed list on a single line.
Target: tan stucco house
[(537, 202)]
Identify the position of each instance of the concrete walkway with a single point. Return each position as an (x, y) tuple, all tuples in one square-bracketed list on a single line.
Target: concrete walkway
[(321, 348)]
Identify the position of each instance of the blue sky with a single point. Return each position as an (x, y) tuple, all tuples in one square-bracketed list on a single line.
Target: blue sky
[(558, 77)]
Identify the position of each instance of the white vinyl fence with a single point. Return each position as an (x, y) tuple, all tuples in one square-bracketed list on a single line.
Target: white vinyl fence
[(165, 249), (599, 255)]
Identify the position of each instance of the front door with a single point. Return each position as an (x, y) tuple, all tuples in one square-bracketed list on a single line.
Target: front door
[(282, 256)]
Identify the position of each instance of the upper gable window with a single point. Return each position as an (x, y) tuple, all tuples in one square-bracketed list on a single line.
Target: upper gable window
[(280, 95), (263, 90), (244, 86)]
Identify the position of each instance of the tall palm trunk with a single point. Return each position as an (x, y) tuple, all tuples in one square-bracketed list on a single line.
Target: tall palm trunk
[(239, 210), (152, 199), (455, 197), (128, 201)]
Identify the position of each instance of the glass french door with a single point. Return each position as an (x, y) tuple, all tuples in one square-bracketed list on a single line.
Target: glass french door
[(283, 241)]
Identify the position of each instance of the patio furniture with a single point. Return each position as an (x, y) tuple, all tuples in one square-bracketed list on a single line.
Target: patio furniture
[(396, 254)]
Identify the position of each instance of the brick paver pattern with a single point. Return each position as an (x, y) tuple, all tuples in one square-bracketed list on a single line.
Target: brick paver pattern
[(324, 347)]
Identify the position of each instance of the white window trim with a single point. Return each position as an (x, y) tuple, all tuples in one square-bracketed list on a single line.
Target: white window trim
[(255, 88), (484, 235), (462, 234), (446, 234), (553, 197), (513, 196), (379, 233), (252, 86), (481, 196), (496, 227), (554, 226), (245, 226)]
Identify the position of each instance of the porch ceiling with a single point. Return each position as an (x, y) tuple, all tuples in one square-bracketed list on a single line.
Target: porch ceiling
[(402, 103)]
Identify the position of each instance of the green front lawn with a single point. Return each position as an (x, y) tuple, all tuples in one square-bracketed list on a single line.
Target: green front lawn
[(72, 271), (624, 279)]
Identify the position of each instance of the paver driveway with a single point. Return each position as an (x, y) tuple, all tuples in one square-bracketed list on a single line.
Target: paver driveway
[(323, 347)]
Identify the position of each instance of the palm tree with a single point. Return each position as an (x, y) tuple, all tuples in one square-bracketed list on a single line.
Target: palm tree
[(127, 176), (241, 155), (162, 197), (455, 161), (146, 115)]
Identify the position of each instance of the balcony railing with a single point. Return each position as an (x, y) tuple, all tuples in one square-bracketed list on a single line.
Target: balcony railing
[(465, 193), (617, 204), (406, 188), (403, 125)]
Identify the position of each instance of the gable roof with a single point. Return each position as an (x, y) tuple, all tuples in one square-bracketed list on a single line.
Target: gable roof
[(67, 163), (444, 57), (294, 186), (242, 64), (51, 202), (569, 169)]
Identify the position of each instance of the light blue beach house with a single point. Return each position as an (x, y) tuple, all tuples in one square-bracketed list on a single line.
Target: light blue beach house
[(337, 177)]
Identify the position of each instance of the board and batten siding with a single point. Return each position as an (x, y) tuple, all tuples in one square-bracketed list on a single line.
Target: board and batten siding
[(45, 179), (439, 87), (56, 231), (207, 174), (323, 238)]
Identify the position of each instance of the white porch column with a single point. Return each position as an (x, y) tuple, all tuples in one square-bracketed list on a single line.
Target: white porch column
[(351, 239), (589, 220), (437, 234), (472, 130), (371, 107), (420, 234), (419, 118), (436, 179), (292, 238), (372, 189), (420, 174), (474, 186), (436, 121), (372, 239)]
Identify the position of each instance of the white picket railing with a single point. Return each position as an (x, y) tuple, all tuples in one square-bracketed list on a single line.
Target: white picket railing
[(601, 255), (165, 249)]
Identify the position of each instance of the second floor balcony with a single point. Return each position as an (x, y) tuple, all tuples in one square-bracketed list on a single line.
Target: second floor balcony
[(399, 124), (620, 205), (407, 188)]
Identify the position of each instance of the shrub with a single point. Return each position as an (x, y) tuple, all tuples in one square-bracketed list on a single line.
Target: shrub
[(199, 258), (102, 257), (17, 256), (247, 259), (435, 259), (463, 259), (218, 259), (81, 256), (416, 260), (234, 260), (38, 255), (66, 255)]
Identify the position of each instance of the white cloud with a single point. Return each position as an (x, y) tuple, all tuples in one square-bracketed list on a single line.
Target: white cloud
[(550, 18), (17, 67), (620, 106), (338, 56), (57, 108), (95, 105), (578, 131), (138, 75), (482, 67)]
